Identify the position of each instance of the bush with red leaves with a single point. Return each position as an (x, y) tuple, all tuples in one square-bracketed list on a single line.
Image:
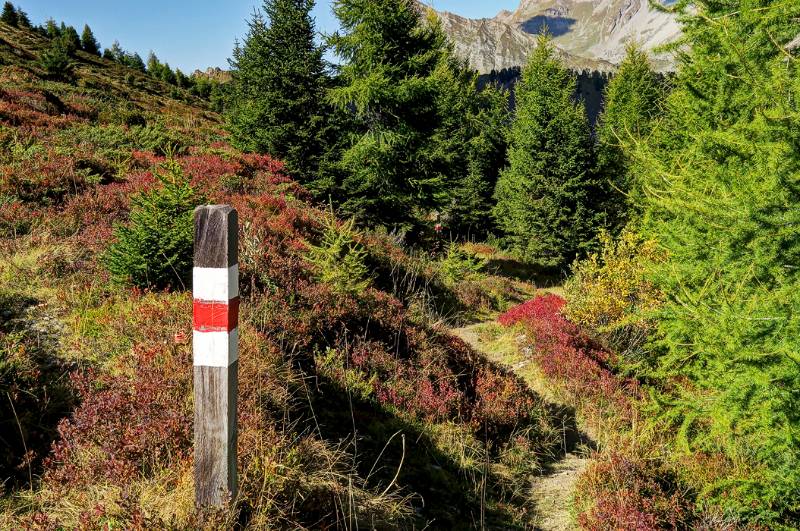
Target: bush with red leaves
[(620, 490), (128, 424), (626, 491), (567, 355)]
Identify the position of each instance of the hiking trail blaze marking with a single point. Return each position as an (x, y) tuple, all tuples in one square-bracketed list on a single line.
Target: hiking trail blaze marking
[(215, 347)]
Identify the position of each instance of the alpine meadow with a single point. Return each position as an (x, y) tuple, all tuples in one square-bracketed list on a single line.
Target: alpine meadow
[(418, 271)]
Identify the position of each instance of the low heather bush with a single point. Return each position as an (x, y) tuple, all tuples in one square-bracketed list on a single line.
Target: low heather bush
[(565, 354), (622, 490)]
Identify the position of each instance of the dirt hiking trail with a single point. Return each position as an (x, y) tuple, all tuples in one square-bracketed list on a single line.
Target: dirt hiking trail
[(551, 492)]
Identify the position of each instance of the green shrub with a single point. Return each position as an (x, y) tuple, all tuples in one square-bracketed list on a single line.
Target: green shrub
[(339, 260), (458, 265), (154, 250), (123, 115), (56, 62), (122, 140)]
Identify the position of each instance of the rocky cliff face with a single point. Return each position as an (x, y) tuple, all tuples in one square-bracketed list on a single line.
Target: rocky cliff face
[(590, 34)]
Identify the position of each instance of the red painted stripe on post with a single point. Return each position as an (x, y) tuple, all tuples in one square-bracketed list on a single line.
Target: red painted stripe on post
[(215, 316)]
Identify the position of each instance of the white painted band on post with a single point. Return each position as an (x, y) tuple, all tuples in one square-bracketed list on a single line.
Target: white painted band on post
[(215, 283), (215, 349)]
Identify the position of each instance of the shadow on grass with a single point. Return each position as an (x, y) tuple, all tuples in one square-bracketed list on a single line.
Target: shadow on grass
[(35, 393), (518, 270), (573, 440), (388, 449)]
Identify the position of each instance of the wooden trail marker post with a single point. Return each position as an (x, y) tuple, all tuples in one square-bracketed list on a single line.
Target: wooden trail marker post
[(215, 346)]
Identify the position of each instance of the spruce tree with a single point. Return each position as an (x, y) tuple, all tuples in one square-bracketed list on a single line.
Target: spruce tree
[(56, 62), (154, 249), (153, 64), (634, 98), (52, 30), (549, 201), (468, 145), (389, 58), (277, 100), (9, 15), (88, 42), (722, 189), (23, 21), (70, 38)]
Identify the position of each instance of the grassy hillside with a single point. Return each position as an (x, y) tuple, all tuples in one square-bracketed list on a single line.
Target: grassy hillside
[(356, 406)]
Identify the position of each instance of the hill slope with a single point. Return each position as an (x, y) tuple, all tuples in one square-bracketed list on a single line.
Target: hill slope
[(357, 407)]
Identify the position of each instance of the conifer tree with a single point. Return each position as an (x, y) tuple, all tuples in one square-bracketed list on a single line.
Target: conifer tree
[(23, 21), (154, 249), (88, 42), (55, 61), (51, 29), (115, 53), (153, 64), (633, 100), (722, 189), (468, 145), (70, 38), (9, 14), (279, 79), (387, 81), (134, 61), (549, 202)]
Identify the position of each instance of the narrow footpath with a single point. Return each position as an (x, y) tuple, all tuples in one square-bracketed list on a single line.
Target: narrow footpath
[(552, 491)]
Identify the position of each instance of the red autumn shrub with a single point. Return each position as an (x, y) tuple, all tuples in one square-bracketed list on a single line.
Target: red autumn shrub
[(628, 491), (34, 109), (564, 353), (46, 178), (501, 399), (128, 424), (620, 490), (18, 218)]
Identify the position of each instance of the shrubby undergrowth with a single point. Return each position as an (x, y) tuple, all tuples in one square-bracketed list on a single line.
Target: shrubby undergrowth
[(341, 389)]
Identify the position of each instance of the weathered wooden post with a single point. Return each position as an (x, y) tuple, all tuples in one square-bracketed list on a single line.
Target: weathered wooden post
[(215, 344)]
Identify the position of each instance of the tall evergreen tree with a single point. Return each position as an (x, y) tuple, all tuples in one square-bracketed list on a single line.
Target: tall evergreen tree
[(279, 79), (23, 21), (88, 42), (153, 64), (70, 38), (52, 30), (723, 190), (468, 145), (9, 14), (134, 60), (634, 98), (549, 201), (387, 81)]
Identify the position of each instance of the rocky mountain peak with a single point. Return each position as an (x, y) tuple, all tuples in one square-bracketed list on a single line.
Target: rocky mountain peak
[(590, 34)]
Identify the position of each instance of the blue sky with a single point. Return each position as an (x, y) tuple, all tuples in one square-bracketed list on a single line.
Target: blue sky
[(192, 34)]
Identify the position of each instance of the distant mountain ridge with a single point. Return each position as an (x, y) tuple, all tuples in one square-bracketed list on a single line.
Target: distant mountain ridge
[(589, 34)]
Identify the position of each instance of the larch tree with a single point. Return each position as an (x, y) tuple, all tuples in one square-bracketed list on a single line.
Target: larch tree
[(722, 194), (549, 200)]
